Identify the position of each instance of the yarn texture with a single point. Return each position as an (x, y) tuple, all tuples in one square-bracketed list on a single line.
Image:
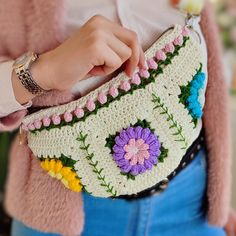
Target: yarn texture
[(130, 133)]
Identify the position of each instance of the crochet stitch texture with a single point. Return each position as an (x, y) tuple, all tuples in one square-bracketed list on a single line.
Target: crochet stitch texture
[(79, 130)]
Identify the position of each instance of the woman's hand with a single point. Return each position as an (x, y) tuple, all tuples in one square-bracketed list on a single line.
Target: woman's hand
[(230, 227), (98, 48)]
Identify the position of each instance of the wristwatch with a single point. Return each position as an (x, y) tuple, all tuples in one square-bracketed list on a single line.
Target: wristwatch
[(21, 67)]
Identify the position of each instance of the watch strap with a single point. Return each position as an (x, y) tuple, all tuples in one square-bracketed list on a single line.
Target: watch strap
[(27, 80)]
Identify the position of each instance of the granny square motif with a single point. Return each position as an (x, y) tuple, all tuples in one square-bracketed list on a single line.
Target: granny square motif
[(130, 133)]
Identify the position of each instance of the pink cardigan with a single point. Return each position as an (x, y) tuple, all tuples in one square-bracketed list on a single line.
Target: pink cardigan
[(43, 203)]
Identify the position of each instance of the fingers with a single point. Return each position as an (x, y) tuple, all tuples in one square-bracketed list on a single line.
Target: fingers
[(142, 59), (108, 63), (133, 58), (114, 53), (130, 38), (112, 61), (120, 48)]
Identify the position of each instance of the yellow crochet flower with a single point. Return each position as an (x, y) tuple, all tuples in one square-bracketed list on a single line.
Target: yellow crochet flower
[(65, 174)]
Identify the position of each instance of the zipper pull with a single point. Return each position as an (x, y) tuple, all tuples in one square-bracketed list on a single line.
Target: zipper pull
[(192, 22)]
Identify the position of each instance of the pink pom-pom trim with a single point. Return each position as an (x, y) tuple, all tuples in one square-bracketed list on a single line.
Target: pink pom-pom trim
[(179, 40), (125, 85), (152, 64), (136, 79), (79, 112), (186, 31), (68, 116), (56, 119), (113, 92), (90, 105), (102, 98), (46, 121), (170, 47), (38, 124), (31, 126), (160, 55), (144, 73)]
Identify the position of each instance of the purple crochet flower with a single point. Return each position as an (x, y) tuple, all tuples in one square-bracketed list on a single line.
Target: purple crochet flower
[(136, 150)]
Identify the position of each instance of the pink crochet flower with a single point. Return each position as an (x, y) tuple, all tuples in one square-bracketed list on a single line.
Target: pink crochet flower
[(152, 64), (136, 79), (125, 85), (90, 105), (136, 151), (38, 124), (102, 98), (160, 55), (56, 119), (68, 116), (113, 92), (46, 121), (170, 47), (179, 40), (79, 112)]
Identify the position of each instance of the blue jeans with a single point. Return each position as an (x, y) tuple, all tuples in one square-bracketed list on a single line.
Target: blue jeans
[(179, 210)]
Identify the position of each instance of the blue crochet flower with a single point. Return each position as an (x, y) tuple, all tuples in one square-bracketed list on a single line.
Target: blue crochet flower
[(193, 104), (193, 91)]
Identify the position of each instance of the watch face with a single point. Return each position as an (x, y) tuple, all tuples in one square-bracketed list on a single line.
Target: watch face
[(24, 59)]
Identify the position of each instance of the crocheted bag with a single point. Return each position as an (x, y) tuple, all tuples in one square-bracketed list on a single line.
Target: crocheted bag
[(130, 133)]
